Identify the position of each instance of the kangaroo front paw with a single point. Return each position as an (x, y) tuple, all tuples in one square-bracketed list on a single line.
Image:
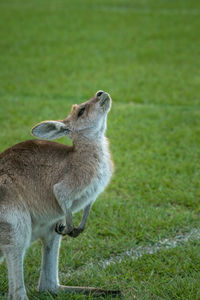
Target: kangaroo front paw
[(60, 228), (75, 232)]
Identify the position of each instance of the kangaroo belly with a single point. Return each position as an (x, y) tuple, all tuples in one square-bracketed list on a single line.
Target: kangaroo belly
[(41, 227)]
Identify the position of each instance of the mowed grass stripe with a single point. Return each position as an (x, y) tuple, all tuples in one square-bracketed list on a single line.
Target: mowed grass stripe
[(149, 11), (32, 100)]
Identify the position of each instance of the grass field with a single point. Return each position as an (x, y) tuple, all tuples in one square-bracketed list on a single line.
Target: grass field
[(146, 54)]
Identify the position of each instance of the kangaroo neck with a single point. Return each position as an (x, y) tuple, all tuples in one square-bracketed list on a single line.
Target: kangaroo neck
[(83, 144)]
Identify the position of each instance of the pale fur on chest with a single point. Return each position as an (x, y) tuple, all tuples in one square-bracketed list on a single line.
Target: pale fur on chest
[(96, 180), (98, 184)]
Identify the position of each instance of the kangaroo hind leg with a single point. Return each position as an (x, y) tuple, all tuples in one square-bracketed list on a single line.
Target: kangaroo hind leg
[(1, 256), (15, 259), (15, 235)]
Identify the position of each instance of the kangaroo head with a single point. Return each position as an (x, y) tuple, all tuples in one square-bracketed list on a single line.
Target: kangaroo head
[(87, 120)]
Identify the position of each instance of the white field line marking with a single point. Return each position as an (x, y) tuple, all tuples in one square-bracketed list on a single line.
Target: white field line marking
[(135, 253)]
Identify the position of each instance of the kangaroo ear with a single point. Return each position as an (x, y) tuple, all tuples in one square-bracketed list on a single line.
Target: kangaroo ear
[(50, 130)]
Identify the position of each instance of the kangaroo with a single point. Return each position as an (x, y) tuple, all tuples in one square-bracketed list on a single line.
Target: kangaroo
[(42, 183)]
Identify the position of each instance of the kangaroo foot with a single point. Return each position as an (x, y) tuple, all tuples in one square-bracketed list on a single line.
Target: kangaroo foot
[(95, 292)]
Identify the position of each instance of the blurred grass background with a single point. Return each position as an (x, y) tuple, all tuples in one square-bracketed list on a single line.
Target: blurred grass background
[(146, 54)]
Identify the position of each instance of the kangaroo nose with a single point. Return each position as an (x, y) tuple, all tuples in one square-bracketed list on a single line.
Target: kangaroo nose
[(99, 93)]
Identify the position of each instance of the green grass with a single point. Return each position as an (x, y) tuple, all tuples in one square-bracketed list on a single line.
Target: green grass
[(146, 54)]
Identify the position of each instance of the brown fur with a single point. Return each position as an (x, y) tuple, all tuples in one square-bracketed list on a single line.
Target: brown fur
[(39, 165), (33, 164)]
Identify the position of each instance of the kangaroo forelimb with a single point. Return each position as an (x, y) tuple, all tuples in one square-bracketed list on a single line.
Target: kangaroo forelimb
[(75, 231)]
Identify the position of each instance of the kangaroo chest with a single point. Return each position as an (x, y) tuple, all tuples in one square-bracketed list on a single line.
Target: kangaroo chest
[(97, 185)]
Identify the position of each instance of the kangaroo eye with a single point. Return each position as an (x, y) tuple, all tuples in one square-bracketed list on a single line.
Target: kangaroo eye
[(81, 111)]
